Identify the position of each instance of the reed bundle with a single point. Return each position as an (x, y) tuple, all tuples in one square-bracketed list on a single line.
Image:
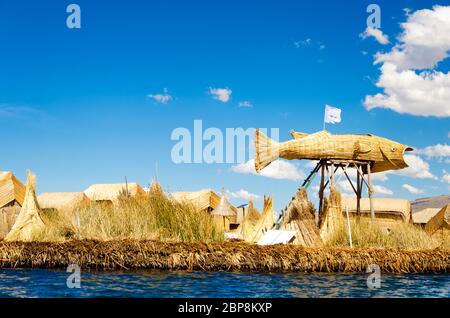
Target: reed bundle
[(227, 256)]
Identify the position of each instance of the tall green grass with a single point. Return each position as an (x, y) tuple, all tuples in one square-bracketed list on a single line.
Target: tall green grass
[(153, 217)]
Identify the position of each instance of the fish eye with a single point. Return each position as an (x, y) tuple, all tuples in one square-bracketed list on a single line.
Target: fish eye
[(393, 149)]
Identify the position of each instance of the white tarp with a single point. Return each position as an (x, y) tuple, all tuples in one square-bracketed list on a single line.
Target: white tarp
[(272, 237)]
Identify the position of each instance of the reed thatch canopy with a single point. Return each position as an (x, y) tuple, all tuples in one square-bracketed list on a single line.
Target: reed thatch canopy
[(205, 199), (423, 216), (62, 201), (440, 221), (11, 189), (387, 208), (113, 192)]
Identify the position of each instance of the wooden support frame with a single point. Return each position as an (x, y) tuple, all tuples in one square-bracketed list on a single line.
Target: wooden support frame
[(330, 167)]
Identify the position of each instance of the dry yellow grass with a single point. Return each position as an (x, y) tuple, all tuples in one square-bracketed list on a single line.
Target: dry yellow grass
[(154, 217), (402, 235)]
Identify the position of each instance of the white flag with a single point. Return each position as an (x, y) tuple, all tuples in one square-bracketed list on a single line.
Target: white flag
[(332, 115)]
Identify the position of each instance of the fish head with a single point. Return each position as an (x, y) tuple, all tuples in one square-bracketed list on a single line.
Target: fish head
[(393, 155)]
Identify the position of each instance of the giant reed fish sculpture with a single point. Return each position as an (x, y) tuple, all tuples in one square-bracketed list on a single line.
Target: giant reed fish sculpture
[(384, 154)]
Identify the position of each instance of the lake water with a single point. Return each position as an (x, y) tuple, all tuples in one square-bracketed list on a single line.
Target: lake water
[(53, 283)]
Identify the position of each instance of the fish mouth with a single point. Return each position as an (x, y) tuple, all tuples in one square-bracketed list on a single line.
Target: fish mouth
[(408, 148)]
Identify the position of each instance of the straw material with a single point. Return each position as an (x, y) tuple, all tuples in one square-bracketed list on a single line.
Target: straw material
[(246, 228), (332, 219), (300, 217), (204, 199), (440, 221), (265, 222), (11, 189), (384, 207), (228, 256), (62, 201), (8, 216), (386, 154), (113, 192), (29, 222), (224, 208), (423, 216)]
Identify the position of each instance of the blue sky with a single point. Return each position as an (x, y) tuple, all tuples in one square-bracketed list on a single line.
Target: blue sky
[(74, 104)]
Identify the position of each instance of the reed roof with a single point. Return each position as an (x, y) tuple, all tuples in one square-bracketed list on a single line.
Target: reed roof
[(62, 201), (11, 189), (440, 220), (382, 206), (224, 208), (423, 216), (112, 192), (202, 199)]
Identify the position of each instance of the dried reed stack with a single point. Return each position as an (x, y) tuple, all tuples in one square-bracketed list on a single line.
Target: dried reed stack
[(247, 227), (332, 220), (29, 222), (300, 217), (228, 256), (265, 222)]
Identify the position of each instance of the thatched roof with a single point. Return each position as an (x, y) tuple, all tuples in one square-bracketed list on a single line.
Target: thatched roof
[(224, 208), (202, 199), (382, 206), (11, 189), (423, 216), (62, 201), (440, 220), (245, 229), (112, 192), (29, 222)]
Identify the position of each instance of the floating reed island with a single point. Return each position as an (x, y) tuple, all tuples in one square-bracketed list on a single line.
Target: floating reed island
[(225, 256)]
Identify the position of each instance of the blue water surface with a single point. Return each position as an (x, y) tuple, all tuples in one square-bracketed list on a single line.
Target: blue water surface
[(53, 283)]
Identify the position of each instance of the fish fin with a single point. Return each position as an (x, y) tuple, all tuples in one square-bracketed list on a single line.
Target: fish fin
[(361, 148), (266, 150), (297, 135)]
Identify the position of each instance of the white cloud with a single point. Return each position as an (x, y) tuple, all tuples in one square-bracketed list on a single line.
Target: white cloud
[(163, 98), (279, 169), (424, 42), (382, 190), (418, 168), (306, 42), (245, 104), (222, 94), (435, 151), (446, 177), (412, 189), (377, 34), (244, 194)]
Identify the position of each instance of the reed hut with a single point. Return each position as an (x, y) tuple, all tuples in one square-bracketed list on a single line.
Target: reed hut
[(205, 200), (299, 216), (28, 223), (421, 218), (439, 225), (265, 222), (332, 219), (112, 193), (62, 202), (224, 213), (250, 219), (12, 195), (387, 211)]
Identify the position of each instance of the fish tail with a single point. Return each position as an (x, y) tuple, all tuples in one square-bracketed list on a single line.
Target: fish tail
[(266, 150)]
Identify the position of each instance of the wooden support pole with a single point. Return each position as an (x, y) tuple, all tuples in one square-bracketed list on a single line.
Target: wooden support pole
[(370, 192), (321, 190), (358, 194), (332, 176)]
